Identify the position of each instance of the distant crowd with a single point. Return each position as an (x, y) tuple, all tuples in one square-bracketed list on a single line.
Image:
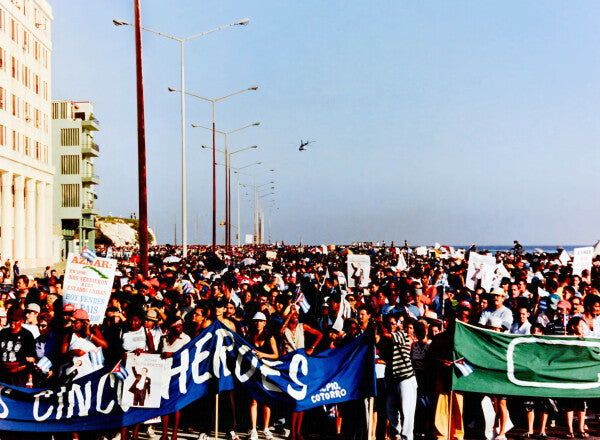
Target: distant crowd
[(283, 298)]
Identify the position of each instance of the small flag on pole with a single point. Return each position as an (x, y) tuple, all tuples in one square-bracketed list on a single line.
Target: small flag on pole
[(88, 254), (463, 366), (96, 357), (302, 302), (120, 372), (44, 364)]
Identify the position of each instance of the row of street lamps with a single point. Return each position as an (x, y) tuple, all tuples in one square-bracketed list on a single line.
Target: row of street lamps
[(183, 93)]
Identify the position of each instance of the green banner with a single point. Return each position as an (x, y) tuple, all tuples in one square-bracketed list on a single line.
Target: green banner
[(518, 365)]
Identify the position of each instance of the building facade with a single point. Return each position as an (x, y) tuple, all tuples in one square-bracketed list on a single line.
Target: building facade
[(26, 171), (74, 150)]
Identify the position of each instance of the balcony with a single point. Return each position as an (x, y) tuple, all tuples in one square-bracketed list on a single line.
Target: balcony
[(91, 179), (90, 149), (87, 223), (89, 210), (90, 124), (68, 234)]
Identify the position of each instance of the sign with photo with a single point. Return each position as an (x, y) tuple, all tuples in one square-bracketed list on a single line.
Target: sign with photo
[(144, 382)]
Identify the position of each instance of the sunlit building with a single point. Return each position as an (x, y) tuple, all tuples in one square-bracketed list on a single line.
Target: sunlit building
[(26, 170)]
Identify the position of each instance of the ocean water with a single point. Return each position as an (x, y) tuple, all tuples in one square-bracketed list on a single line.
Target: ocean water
[(528, 248)]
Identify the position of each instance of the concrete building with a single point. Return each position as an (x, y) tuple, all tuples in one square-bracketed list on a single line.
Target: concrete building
[(26, 171), (74, 150)]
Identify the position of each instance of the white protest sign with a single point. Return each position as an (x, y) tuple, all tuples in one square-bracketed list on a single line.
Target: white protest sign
[(481, 267), (401, 263), (88, 285), (421, 250), (564, 258), (359, 268), (582, 259), (249, 239), (271, 255), (144, 382)]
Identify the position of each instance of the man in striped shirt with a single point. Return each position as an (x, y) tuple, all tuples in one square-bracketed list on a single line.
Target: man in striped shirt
[(401, 382)]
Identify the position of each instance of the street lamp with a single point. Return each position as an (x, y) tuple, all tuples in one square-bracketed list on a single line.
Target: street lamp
[(228, 171), (242, 22)]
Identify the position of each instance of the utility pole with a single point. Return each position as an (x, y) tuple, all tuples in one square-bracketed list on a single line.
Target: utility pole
[(143, 194)]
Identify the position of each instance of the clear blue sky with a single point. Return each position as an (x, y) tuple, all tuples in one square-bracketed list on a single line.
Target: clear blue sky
[(457, 122)]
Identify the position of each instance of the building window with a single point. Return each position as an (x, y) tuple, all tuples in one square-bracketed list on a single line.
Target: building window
[(70, 195), (2, 55), (14, 67), (13, 31), (2, 98), (26, 141), (15, 105), (15, 140), (45, 153), (2, 135), (69, 137), (69, 164), (36, 112), (37, 150), (37, 84)]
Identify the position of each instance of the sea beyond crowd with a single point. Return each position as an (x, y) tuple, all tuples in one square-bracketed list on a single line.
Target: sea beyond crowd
[(282, 298)]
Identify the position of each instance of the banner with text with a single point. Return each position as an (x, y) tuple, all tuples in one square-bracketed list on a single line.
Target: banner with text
[(526, 365), (217, 359), (87, 284)]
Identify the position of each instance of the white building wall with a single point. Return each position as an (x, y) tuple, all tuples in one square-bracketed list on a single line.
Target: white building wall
[(26, 170)]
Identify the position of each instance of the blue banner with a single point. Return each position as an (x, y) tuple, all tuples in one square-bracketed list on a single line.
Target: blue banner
[(217, 358)]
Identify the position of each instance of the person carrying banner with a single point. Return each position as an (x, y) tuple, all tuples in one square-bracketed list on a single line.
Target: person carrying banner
[(401, 382), (265, 348), (17, 350), (292, 333)]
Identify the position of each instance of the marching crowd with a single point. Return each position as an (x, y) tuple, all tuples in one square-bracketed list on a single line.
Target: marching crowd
[(282, 298)]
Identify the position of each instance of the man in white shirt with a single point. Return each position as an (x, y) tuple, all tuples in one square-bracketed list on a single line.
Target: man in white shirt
[(496, 309)]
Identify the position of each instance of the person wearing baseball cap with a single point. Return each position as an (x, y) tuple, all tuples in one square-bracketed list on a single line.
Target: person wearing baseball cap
[(83, 338), (497, 309)]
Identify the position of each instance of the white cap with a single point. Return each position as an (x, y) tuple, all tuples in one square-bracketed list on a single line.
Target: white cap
[(259, 316)]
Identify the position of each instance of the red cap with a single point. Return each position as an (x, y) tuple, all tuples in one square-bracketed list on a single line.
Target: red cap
[(81, 314)]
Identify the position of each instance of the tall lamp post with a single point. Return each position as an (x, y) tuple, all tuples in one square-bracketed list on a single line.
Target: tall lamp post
[(228, 176), (181, 41), (214, 167)]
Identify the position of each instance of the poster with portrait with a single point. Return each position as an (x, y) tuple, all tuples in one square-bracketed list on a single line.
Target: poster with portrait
[(359, 270), (144, 382)]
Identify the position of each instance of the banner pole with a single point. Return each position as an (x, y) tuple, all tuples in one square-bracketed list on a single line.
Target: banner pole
[(217, 416), (370, 424), (450, 414)]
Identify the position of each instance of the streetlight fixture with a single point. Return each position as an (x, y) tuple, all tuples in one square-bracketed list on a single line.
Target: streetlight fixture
[(242, 22), (227, 168)]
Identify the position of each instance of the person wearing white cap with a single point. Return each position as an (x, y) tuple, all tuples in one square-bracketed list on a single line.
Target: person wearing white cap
[(265, 347), (497, 309)]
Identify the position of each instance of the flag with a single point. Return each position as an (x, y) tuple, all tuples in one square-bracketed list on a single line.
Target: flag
[(235, 298), (526, 365), (96, 357), (44, 364), (88, 254), (120, 372), (187, 287), (463, 366), (302, 302)]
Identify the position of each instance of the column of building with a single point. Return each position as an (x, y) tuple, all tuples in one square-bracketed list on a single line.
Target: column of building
[(6, 216)]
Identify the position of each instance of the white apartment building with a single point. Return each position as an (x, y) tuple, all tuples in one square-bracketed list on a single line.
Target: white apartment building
[(26, 171)]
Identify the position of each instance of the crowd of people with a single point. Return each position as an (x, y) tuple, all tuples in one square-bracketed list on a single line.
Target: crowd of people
[(255, 292)]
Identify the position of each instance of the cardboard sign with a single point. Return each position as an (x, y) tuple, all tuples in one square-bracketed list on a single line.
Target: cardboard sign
[(582, 259), (88, 285)]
